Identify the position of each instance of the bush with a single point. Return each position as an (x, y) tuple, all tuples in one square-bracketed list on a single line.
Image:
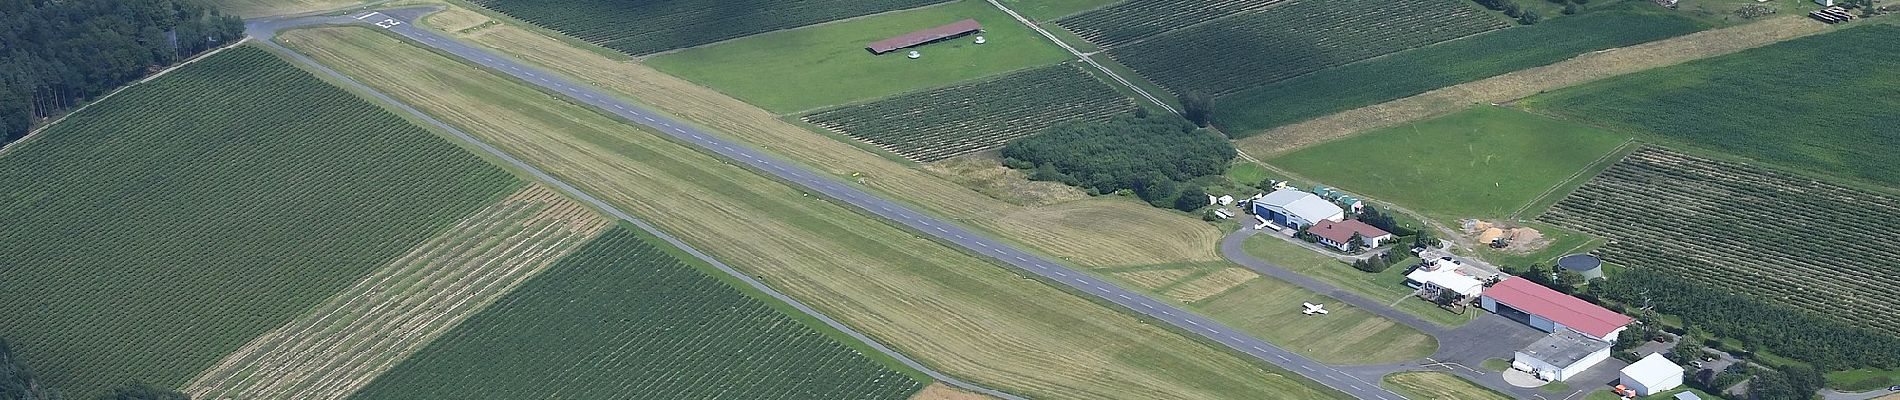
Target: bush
[(1148, 155)]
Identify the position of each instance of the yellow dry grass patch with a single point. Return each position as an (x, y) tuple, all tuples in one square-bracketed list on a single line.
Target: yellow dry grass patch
[(985, 173), (1524, 83), (1074, 230), (366, 329), (1153, 279), (456, 19), (1212, 284), (940, 391), (963, 315), (1426, 385), (262, 8)]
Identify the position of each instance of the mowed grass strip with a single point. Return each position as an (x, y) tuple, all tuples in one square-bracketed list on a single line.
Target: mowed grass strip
[(1727, 225), (1429, 385), (1388, 286), (1823, 103), (1302, 36), (1270, 308), (963, 315), (1485, 162), (339, 346), (646, 27), (620, 318), (826, 65), (1415, 71), (153, 233), (943, 123)]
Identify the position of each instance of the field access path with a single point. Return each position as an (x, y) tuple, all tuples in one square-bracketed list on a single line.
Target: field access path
[(399, 22)]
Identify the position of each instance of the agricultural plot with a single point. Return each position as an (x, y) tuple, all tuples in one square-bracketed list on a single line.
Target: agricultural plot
[(158, 231), (341, 345), (1781, 238), (647, 27), (1823, 103), (1486, 162), (815, 67), (1139, 19), (943, 123), (1375, 81), (1300, 37), (622, 318)]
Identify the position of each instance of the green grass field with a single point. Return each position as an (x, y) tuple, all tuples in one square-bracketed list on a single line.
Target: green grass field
[(155, 232), (1485, 162), (1860, 380), (621, 317), (1431, 385), (647, 27), (1388, 285), (1045, 10), (1415, 71), (1823, 103), (821, 66)]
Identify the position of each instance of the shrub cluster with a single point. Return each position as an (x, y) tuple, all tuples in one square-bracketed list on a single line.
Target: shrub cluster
[(1151, 155)]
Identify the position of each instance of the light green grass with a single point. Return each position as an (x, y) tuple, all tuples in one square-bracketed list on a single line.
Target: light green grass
[(1045, 10), (1865, 379), (1388, 286), (1485, 162), (1432, 385), (1247, 173), (827, 65), (1555, 387), (1496, 364)]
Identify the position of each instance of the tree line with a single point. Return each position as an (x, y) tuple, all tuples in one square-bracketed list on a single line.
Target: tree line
[(1156, 156), (1824, 343), (55, 54)]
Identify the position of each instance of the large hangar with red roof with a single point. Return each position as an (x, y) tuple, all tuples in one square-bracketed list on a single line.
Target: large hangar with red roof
[(1550, 310)]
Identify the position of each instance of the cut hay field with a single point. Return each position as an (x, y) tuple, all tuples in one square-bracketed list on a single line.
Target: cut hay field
[(339, 346), (1249, 50), (1427, 385), (156, 232), (821, 66), (1822, 103), (1375, 81), (962, 315), (937, 124), (622, 318), (1485, 162), (1782, 238), (1270, 309), (647, 27)]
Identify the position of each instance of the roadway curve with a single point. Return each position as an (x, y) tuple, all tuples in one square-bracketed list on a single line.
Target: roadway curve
[(818, 183)]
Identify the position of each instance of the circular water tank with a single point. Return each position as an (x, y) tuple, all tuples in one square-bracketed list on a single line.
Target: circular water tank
[(1590, 266)]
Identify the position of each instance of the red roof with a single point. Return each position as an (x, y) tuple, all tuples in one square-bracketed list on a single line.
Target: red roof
[(924, 36), (1522, 294), (1341, 231)]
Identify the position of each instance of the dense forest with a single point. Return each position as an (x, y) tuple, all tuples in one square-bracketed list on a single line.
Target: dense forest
[(55, 54), (18, 384), (1151, 155), (1822, 342)]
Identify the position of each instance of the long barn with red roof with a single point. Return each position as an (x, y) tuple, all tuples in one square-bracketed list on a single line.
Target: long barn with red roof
[(954, 29), (1549, 310)]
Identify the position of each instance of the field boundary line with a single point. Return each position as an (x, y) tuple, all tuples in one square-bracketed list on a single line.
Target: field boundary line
[(62, 118), (1084, 57), (616, 212), (1572, 178)]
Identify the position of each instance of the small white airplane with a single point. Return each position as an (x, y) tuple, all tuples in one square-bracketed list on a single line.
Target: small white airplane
[(1314, 309)]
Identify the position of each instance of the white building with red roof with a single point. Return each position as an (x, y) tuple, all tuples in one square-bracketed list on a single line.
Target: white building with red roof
[(1339, 233), (1550, 311)]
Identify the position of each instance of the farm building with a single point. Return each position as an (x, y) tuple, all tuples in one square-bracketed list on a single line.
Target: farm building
[(1441, 275), (1560, 356), (1651, 375), (1339, 233), (1295, 209), (952, 30), (1548, 310), (1587, 265)]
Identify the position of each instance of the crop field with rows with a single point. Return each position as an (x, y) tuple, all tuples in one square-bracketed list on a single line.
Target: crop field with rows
[(942, 123), (1782, 238), (647, 27), (157, 231), (1138, 19), (1445, 64), (339, 346), (621, 318), (1300, 37), (1823, 102)]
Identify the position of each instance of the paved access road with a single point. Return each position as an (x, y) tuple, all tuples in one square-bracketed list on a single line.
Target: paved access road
[(398, 22)]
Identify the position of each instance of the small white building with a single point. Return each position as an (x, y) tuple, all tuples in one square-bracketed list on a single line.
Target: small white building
[(1226, 200), (1295, 209), (1441, 275), (1653, 374), (1560, 356)]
